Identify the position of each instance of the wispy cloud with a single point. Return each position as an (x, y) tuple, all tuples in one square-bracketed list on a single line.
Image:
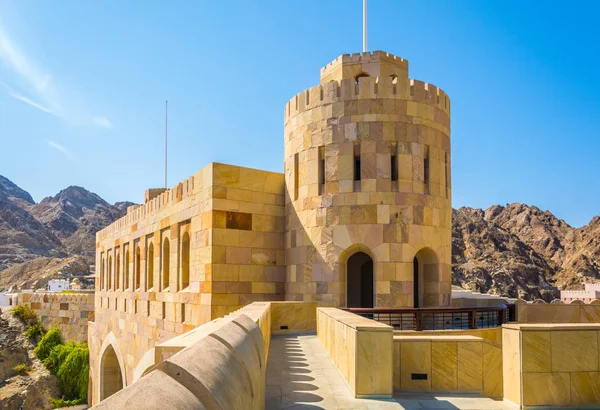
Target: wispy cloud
[(62, 149), (31, 102), (36, 82), (102, 122)]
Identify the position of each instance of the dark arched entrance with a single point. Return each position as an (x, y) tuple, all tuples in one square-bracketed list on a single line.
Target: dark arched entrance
[(359, 281), (111, 380)]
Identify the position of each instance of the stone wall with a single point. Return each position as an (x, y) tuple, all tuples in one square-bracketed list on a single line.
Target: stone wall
[(551, 364), (543, 313), (360, 348), (448, 363), (69, 312), (367, 168), (225, 369)]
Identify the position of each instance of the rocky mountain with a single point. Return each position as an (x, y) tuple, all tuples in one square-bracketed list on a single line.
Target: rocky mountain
[(519, 250), (62, 226)]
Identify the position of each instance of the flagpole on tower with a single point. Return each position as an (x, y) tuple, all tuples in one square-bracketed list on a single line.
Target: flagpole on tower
[(166, 137), (365, 44)]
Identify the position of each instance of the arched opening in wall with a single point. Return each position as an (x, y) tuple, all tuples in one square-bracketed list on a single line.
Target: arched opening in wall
[(359, 280), (150, 269), (138, 265), (118, 273), (394, 78), (166, 250), (361, 75), (102, 262), (426, 279), (111, 379), (185, 261), (110, 273), (126, 271)]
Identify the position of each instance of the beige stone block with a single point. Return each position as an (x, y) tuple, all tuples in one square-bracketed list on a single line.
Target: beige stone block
[(536, 351), (492, 370), (374, 363), (415, 357), (383, 214), (444, 366), (574, 351), (585, 388), (470, 366), (546, 389)]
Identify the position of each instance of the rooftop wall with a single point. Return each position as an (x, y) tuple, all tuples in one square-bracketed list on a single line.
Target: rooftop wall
[(69, 312)]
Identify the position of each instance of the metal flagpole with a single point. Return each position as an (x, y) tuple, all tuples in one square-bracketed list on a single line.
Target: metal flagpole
[(166, 137), (365, 44)]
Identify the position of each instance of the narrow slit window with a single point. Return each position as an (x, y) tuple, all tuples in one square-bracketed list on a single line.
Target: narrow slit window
[(322, 165), (357, 167), (426, 170), (446, 172), (296, 179), (394, 167)]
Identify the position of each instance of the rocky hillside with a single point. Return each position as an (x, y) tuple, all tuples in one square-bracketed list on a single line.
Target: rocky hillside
[(59, 227), (521, 251)]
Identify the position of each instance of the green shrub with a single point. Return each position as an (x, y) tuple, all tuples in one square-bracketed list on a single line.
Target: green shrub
[(51, 339), (73, 373), (58, 355), (25, 313), (59, 403), (22, 369), (35, 330)]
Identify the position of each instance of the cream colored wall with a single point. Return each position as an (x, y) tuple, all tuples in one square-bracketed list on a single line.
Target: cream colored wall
[(530, 313), (360, 348), (69, 312), (389, 220), (451, 363), (229, 267), (552, 364), (297, 316), (493, 335)]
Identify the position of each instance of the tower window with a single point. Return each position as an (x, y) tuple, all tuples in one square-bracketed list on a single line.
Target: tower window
[(321, 169), (426, 170), (357, 167), (296, 178), (394, 167)]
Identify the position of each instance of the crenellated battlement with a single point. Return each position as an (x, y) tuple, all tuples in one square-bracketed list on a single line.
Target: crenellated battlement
[(384, 87), (152, 206), (365, 58)]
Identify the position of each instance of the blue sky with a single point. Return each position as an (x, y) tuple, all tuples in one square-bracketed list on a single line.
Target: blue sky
[(83, 85)]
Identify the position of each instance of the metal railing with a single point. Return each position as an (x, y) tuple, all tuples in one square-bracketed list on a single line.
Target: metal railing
[(450, 318)]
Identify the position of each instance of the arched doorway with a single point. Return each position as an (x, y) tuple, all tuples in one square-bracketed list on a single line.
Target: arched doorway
[(359, 279), (425, 277), (111, 380)]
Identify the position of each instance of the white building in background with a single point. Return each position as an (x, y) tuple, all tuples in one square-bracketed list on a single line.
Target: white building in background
[(5, 299), (590, 293), (58, 285)]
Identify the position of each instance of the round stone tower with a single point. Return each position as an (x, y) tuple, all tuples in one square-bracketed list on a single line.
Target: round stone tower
[(368, 193)]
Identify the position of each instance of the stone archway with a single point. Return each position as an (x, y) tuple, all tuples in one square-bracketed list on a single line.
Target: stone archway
[(111, 371), (111, 380), (426, 278), (359, 281)]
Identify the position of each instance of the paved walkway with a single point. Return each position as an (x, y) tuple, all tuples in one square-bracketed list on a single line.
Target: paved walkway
[(300, 375)]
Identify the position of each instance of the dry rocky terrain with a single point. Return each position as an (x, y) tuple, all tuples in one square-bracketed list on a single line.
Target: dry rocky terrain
[(514, 250), (51, 239)]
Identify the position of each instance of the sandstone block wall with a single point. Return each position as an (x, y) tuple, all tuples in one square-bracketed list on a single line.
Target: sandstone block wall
[(551, 365), (198, 251), (69, 312), (399, 208)]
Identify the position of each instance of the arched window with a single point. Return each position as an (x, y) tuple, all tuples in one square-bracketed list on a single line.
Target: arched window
[(110, 273), (361, 75), (102, 283), (359, 277), (166, 250), (118, 273), (185, 261), (138, 266), (111, 379), (126, 270), (150, 269), (394, 78)]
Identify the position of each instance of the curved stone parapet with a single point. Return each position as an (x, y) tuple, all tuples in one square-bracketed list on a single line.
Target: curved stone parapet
[(224, 370)]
